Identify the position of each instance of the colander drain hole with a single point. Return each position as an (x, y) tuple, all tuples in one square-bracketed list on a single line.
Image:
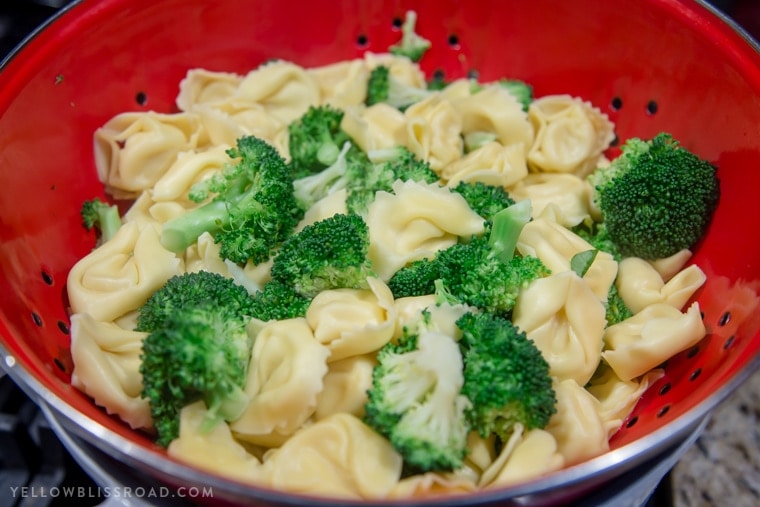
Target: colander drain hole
[(652, 107), (729, 342), (616, 103), (665, 389), (664, 410), (47, 277), (37, 319), (141, 98), (724, 319), (362, 41), (453, 41), (695, 374)]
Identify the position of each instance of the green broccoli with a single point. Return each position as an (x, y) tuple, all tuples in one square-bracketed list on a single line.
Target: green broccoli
[(387, 166), (190, 289), (477, 139), (415, 400), (485, 272), (200, 352), (351, 163), (595, 233), (328, 254), (615, 308), (521, 90), (657, 198), (98, 214), (411, 45), (254, 208), (382, 87), (506, 378), (278, 301), (484, 199), (415, 279), (315, 140)]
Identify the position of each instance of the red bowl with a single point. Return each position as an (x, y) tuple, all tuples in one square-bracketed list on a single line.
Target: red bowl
[(651, 65)]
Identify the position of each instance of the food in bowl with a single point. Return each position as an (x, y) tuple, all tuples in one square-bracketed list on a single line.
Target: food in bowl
[(355, 281)]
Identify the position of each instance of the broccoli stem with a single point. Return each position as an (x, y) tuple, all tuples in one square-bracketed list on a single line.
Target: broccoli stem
[(181, 232), (507, 225), (109, 221)]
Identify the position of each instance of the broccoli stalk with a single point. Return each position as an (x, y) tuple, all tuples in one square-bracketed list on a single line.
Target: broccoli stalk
[(415, 400), (315, 140), (254, 208), (201, 352), (506, 378), (328, 254), (97, 214), (411, 45), (657, 198), (382, 87)]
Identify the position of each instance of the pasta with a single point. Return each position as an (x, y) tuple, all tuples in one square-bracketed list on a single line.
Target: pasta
[(303, 429)]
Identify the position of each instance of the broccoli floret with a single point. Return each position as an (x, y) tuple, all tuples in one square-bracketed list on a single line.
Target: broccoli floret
[(200, 352), (411, 45), (190, 289), (521, 90), (98, 214), (315, 140), (657, 198), (415, 279), (253, 211), (328, 254), (278, 301), (595, 233), (506, 378), (484, 272), (615, 308), (477, 139), (415, 400), (484, 199), (382, 87), (352, 163), (387, 166)]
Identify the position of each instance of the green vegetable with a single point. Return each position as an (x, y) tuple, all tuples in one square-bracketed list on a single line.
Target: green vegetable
[(615, 308), (581, 262), (506, 378), (200, 352), (278, 301), (351, 163), (485, 273), (382, 87), (521, 90), (415, 398), (188, 290), (328, 254), (98, 214), (595, 233), (484, 199), (656, 198), (252, 212), (415, 279), (315, 140), (411, 45), (387, 166)]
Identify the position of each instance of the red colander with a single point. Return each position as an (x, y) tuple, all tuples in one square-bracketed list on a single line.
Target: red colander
[(651, 65)]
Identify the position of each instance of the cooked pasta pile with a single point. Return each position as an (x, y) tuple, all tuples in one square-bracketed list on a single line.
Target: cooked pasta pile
[(303, 429)]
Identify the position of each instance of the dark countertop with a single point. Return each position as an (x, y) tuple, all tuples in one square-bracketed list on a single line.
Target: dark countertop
[(723, 467)]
